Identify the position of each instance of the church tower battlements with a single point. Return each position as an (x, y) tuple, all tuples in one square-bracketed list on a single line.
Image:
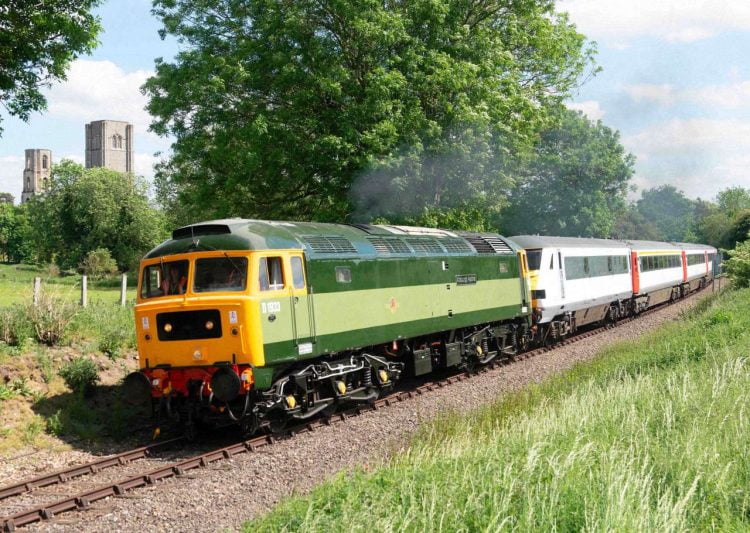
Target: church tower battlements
[(109, 144)]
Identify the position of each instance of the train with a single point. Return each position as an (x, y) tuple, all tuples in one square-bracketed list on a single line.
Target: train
[(264, 323)]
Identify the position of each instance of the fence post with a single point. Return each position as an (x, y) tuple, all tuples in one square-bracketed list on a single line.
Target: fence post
[(37, 290), (84, 291), (123, 289)]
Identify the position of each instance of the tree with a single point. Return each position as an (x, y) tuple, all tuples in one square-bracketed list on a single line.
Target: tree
[(733, 200), (38, 40), (278, 108), (738, 265), (740, 229), (631, 224), (87, 209), (99, 263), (670, 211), (575, 183), (15, 235)]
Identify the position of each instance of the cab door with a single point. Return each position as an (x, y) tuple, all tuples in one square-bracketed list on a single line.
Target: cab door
[(301, 305)]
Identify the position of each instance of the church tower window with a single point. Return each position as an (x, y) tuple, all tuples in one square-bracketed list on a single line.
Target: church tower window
[(44, 161)]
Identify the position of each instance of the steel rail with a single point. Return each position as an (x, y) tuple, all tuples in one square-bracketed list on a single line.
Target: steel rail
[(67, 474), (85, 499)]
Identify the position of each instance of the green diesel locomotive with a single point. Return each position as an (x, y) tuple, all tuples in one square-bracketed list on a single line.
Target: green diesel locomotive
[(265, 322)]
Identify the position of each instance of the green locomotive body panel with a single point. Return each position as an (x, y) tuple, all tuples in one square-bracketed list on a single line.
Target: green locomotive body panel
[(369, 285)]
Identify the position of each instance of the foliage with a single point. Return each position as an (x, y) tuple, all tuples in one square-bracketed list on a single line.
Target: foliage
[(51, 318), (575, 183), (642, 438), (631, 224), (667, 208), (109, 326), (99, 263), (38, 40), (80, 375), (738, 265), (733, 200), (89, 209), (312, 109), (740, 229), (16, 387), (15, 325), (15, 242)]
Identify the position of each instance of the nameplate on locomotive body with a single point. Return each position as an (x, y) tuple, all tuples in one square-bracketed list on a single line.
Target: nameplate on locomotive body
[(466, 279)]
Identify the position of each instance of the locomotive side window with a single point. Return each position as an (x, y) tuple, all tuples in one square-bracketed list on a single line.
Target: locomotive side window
[(164, 279), (271, 274), (298, 273), (343, 274), (220, 274)]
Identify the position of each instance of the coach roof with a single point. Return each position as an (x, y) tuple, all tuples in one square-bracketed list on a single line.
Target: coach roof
[(540, 241)]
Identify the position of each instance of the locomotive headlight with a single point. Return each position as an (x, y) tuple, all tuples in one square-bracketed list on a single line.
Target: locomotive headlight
[(209, 325), (167, 327)]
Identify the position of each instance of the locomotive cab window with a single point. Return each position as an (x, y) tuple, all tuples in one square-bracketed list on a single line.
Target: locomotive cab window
[(217, 274), (164, 279), (270, 274), (298, 273)]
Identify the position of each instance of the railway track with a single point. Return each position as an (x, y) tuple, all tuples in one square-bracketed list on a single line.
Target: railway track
[(84, 499)]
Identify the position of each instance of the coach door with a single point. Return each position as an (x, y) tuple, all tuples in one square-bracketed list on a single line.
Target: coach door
[(561, 274), (301, 304)]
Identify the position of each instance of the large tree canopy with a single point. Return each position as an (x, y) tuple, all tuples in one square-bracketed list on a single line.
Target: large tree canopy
[(667, 208), (575, 184), (88, 209), (38, 39), (277, 108)]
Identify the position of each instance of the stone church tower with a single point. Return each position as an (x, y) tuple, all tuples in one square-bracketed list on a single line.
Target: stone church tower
[(109, 144), (36, 174)]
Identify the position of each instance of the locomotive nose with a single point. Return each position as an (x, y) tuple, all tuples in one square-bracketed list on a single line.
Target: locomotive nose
[(136, 388)]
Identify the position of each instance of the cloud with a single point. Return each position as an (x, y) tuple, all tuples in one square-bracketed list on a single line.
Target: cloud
[(590, 108), (700, 156), (735, 95), (661, 94), (11, 175), (676, 21), (97, 90)]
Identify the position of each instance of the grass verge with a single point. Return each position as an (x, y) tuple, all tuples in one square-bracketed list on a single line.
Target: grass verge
[(652, 435)]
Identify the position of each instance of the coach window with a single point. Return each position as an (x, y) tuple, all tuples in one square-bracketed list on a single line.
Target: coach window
[(552, 262), (270, 274), (298, 273)]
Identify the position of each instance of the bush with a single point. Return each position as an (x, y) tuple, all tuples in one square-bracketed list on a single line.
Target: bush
[(15, 325), (99, 263), (111, 327), (80, 375), (738, 265), (51, 318)]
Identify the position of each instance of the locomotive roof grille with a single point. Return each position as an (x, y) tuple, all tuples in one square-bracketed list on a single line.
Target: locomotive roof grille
[(489, 245), (321, 244), (456, 246), (425, 246), (389, 245), (200, 230)]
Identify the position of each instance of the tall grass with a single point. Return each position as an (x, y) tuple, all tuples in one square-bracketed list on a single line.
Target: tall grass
[(652, 435)]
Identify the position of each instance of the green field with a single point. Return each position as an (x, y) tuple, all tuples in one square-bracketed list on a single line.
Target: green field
[(17, 281), (651, 436)]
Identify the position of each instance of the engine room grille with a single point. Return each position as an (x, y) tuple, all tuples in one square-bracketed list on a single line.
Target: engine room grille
[(425, 246), (456, 246), (389, 246), (329, 245), (489, 245)]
